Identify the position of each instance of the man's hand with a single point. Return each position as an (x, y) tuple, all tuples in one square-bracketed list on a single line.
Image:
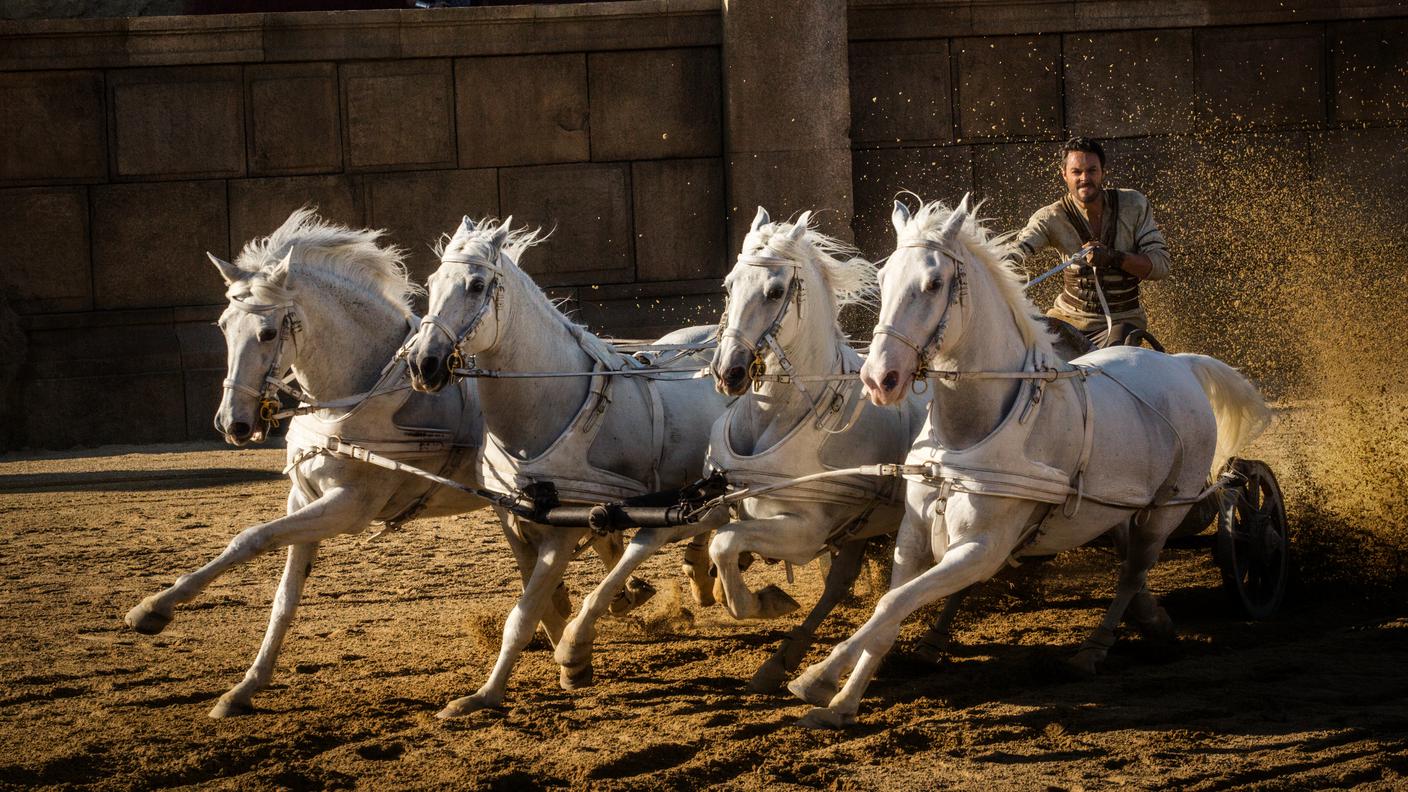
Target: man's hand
[(1097, 256)]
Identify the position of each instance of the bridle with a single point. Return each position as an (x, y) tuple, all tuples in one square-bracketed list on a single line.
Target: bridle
[(956, 293), (275, 380), (493, 300), (767, 342)]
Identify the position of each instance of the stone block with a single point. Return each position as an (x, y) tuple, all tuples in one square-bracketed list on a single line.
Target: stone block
[(400, 114), (786, 183), (588, 207), (150, 240), (679, 219), (1014, 180), (901, 91), (650, 104), (416, 208), (116, 342), (1370, 70), (44, 262), (787, 85), (1133, 83), (522, 110), (936, 173), (648, 311), (1009, 86), (52, 127), (332, 35), (177, 123), (90, 411), (1262, 76), (259, 206), (201, 343), (295, 125), (203, 392)]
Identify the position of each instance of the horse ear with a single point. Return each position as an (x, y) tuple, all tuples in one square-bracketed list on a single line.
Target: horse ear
[(900, 217), (278, 276), (760, 219), (955, 220), (501, 235), (466, 224), (228, 272), (799, 228)]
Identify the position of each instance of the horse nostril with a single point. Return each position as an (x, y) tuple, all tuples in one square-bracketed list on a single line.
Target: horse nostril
[(428, 365), (891, 380), (239, 429), (734, 375)]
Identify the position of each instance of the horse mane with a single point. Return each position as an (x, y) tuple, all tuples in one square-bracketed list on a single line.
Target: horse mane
[(850, 278), (986, 248), (324, 246), (477, 237)]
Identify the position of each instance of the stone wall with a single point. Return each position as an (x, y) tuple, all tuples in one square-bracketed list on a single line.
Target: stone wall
[(645, 132), (132, 146)]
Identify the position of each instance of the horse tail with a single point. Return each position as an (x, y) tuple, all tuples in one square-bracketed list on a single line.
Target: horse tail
[(1238, 407)]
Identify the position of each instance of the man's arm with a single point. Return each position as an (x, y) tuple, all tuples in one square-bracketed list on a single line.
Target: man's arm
[(1148, 261), (1032, 239)]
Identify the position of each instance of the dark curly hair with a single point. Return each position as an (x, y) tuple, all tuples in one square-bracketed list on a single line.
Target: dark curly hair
[(1083, 144)]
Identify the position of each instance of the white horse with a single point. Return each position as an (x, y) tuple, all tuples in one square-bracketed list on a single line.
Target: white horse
[(1023, 455), (595, 438), (332, 306), (784, 294)]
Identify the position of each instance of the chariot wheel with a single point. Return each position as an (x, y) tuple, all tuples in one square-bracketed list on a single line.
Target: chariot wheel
[(1253, 545)]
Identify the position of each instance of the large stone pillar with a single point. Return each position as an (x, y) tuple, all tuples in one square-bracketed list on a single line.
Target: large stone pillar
[(787, 112)]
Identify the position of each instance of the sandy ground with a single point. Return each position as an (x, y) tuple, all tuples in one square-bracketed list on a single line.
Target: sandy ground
[(392, 629)]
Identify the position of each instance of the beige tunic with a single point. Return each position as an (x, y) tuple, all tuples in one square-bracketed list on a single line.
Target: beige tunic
[(1136, 232)]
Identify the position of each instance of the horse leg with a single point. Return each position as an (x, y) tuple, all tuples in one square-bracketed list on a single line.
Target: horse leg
[(636, 592), (914, 551), (338, 511), (768, 537), (574, 652), (1142, 548), (237, 701), (845, 567), (696, 569), (935, 642), (555, 549), (525, 554)]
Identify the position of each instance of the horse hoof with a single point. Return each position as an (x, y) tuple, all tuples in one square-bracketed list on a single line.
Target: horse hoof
[(769, 676), (231, 708), (575, 677), (637, 593), (812, 689), (774, 602), (146, 620), (933, 654), (1086, 662), (1159, 629), (824, 718), (461, 707)]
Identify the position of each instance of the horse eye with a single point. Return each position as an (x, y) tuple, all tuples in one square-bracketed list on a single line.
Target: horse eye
[(267, 334), (775, 293), (477, 285), (931, 284)]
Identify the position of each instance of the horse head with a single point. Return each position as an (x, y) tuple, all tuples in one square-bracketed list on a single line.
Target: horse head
[(258, 325), (920, 285), (466, 297), (783, 296)]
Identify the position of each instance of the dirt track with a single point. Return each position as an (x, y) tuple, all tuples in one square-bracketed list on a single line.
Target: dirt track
[(391, 630)]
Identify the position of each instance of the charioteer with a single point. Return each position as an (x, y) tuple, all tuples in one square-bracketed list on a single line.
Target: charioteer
[(1116, 231)]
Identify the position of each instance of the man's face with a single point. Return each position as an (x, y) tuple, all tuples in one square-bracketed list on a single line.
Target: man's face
[(1084, 176)]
